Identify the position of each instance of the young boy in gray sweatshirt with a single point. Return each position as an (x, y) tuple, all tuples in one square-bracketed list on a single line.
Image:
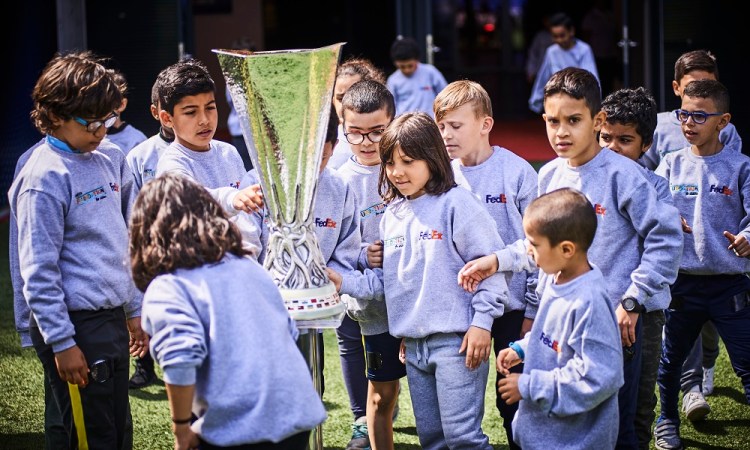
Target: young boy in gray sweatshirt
[(367, 108), (83, 317), (568, 389), (505, 184), (638, 243), (188, 107), (710, 185), (628, 130)]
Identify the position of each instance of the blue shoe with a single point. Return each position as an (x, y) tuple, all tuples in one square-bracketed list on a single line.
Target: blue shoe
[(667, 435)]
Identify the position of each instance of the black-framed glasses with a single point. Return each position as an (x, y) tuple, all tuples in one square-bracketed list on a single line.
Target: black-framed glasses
[(93, 125), (698, 116), (357, 138)]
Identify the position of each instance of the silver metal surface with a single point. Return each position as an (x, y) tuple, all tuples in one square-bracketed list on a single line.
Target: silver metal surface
[(283, 100)]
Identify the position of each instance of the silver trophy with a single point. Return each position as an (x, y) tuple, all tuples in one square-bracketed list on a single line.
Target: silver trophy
[(283, 100)]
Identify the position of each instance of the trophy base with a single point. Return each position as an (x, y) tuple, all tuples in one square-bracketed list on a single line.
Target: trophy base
[(313, 304)]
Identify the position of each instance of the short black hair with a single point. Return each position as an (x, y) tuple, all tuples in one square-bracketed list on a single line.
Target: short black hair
[(561, 19), (633, 106), (710, 89), (695, 61), (368, 96), (404, 49), (564, 214), (182, 79), (577, 83)]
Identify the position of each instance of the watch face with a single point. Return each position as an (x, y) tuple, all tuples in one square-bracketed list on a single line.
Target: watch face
[(628, 304), (99, 371)]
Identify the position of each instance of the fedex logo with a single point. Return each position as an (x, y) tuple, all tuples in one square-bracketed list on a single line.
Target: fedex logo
[(115, 187), (325, 223), (499, 199), (235, 185), (430, 235), (600, 210), (549, 342), (720, 190)]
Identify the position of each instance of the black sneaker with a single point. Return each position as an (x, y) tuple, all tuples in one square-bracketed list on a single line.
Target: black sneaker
[(144, 373)]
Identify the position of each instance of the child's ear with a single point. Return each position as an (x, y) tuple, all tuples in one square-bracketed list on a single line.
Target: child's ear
[(725, 118), (487, 124), (568, 248), (123, 105), (599, 119), (165, 118), (56, 120), (676, 88)]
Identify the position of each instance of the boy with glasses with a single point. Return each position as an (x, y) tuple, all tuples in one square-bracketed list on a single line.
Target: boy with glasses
[(698, 372), (85, 309), (710, 186)]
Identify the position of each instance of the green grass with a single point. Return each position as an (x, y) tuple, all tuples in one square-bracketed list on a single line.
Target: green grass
[(22, 399)]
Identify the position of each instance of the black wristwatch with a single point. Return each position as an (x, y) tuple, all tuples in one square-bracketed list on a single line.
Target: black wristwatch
[(630, 304)]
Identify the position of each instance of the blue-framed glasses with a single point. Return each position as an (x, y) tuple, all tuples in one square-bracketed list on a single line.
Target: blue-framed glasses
[(93, 125), (358, 138), (698, 116)]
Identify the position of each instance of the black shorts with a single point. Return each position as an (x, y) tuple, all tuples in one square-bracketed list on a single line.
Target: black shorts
[(381, 356)]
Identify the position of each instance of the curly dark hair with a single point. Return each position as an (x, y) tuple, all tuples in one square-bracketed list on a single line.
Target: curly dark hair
[(176, 224), (74, 84), (633, 106)]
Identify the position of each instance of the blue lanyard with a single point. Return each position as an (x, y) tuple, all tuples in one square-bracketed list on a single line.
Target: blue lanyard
[(60, 145)]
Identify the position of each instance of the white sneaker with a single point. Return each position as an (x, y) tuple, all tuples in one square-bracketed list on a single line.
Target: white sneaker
[(708, 381), (695, 406)]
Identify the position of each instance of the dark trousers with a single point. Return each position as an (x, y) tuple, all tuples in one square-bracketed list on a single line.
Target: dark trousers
[(627, 397), (101, 335), (353, 366), (697, 299), (506, 329), (653, 325), (297, 442)]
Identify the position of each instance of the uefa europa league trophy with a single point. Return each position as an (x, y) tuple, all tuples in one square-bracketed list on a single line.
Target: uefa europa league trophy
[(283, 100)]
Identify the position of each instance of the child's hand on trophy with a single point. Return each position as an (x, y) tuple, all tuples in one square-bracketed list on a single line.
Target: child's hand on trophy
[(249, 199), (335, 278)]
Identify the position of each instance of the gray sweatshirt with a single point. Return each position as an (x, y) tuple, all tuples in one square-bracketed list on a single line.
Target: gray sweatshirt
[(713, 194), (224, 328), (426, 241), (370, 312), (144, 157), (126, 138), (638, 242), (21, 311), (506, 184), (570, 383), (219, 170), (668, 138), (77, 257)]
